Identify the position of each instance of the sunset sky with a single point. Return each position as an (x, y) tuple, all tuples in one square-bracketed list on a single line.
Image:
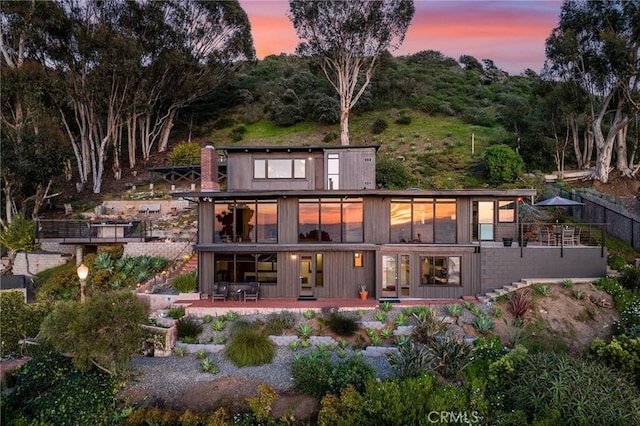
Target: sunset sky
[(510, 32)]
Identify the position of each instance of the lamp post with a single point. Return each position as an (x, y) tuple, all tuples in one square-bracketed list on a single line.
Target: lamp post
[(83, 272)]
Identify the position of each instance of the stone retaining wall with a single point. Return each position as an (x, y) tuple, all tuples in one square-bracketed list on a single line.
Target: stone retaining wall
[(30, 264)]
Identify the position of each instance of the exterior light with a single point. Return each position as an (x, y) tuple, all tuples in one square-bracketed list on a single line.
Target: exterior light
[(83, 272)]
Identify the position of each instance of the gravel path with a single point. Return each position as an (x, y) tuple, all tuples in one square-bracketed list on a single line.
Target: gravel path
[(173, 374)]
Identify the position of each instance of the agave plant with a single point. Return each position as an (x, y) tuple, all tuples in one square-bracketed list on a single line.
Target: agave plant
[(386, 332), (376, 340), (381, 316), (483, 324), (402, 340), (401, 320), (304, 331), (231, 316), (103, 262), (294, 345), (180, 351), (158, 263), (309, 313), (144, 261), (454, 309), (201, 353), (206, 364), (218, 325), (386, 306)]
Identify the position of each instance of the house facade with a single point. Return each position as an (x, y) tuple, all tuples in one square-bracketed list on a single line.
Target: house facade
[(309, 222)]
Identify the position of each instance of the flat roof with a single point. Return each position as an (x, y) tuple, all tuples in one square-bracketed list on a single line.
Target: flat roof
[(405, 193), (315, 148)]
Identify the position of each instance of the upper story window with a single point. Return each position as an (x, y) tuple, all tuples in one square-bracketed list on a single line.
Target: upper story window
[(423, 220), (330, 219), (246, 221), (274, 168), (333, 171)]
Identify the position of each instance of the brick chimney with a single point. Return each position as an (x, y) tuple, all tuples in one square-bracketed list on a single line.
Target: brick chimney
[(209, 169)]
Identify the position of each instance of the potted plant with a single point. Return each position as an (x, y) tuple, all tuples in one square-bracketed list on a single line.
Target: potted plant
[(507, 241), (363, 292)]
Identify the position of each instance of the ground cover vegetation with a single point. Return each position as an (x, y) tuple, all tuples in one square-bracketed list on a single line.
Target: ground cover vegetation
[(489, 379)]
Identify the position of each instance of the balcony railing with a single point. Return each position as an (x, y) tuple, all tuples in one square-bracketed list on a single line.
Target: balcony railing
[(92, 230)]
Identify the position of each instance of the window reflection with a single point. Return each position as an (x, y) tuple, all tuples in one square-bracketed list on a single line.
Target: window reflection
[(284, 168), (330, 219), (245, 267), (235, 221), (423, 220)]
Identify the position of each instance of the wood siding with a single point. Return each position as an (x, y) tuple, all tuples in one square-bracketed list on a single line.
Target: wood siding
[(376, 220), (288, 220), (357, 167), (240, 172)]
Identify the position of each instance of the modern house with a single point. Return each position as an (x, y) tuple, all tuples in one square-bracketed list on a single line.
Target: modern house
[(309, 222)]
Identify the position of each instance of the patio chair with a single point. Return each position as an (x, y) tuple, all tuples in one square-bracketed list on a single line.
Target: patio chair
[(253, 292), (221, 292), (546, 237), (568, 236)]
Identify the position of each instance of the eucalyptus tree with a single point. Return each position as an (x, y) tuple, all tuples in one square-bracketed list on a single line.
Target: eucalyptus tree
[(129, 67), (31, 141), (188, 49), (348, 37), (597, 45)]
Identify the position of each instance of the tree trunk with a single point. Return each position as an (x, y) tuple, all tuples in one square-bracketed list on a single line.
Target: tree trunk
[(622, 160), (166, 130), (344, 126)]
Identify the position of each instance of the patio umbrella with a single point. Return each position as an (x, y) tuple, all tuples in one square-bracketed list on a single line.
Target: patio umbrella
[(558, 202)]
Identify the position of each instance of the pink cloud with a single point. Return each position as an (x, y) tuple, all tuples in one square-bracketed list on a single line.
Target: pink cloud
[(511, 33)]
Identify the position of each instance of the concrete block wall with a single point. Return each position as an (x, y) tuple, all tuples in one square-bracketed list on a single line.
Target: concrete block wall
[(503, 266), (58, 248), (168, 250), (32, 263)]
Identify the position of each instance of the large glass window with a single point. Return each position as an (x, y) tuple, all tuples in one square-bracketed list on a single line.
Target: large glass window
[(506, 211), (331, 219), (440, 270), (246, 267), (423, 220), (274, 168), (244, 221)]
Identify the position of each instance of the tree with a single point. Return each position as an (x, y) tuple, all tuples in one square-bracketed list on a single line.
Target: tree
[(31, 148), (504, 165), (348, 37), (104, 331), (597, 45)]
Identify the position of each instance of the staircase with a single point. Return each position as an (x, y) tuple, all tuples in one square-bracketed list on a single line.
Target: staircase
[(526, 282), (189, 266)]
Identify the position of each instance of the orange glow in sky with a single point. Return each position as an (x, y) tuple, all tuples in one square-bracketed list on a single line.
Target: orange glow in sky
[(512, 33)]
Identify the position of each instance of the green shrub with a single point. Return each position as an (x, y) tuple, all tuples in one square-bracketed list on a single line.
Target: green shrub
[(411, 360), (59, 283), (403, 119), (176, 312), (237, 133), (616, 262), (454, 309), (387, 402), (278, 322), (630, 277), (186, 283), (345, 409), (342, 324), (504, 165), (18, 321), (621, 353), (379, 126), (250, 347), (354, 371), (312, 373), (241, 325), (188, 327), (548, 385), (19, 235), (104, 331), (629, 323), (185, 154), (391, 173), (49, 390)]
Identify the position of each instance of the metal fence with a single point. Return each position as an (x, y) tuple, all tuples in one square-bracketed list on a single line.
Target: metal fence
[(619, 222), (92, 230)]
